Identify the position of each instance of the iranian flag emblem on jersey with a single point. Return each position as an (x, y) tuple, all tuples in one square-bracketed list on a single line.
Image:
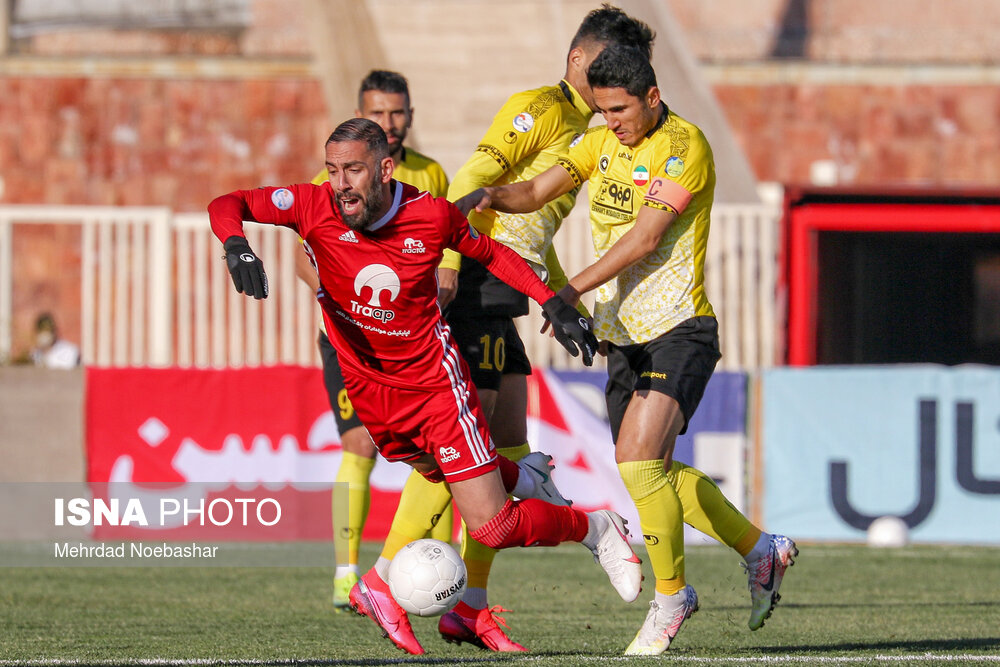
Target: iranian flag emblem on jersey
[(640, 175)]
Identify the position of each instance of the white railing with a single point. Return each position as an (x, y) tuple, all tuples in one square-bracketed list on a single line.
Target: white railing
[(154, 290)]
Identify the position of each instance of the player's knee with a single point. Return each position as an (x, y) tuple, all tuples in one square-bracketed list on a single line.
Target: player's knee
[(499, 532)]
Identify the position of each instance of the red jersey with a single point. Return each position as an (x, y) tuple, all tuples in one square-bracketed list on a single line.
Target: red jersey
[(379, 287)]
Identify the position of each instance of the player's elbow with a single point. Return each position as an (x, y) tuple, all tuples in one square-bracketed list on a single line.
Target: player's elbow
[(645, 244)]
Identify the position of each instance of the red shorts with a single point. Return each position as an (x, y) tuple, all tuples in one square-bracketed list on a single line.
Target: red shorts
[(406, 424)]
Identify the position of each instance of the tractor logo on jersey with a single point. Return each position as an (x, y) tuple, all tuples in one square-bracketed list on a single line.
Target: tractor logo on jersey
[(413, 246), (380, 279)]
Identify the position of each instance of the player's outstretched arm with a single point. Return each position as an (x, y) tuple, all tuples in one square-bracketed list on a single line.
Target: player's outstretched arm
[(226, 215), (521, 197)]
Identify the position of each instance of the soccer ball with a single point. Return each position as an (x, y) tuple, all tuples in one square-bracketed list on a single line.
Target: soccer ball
[(427, 577), (888, 531)]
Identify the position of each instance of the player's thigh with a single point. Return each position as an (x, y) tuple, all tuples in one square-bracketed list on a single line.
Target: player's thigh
[(668, 376), (650, 427), (479, 498)]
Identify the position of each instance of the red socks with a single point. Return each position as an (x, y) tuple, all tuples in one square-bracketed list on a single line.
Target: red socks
[(529, 523)]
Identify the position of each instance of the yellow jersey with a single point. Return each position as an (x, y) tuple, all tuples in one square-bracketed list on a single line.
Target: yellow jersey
[(528, 135), (415, 169), (672, 169)]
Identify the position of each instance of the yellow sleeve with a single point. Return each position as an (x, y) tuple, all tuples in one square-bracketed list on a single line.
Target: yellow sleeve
[(686, 172), (439, 180), (514, 134), (582, 158), (450, 260), (320, 178)]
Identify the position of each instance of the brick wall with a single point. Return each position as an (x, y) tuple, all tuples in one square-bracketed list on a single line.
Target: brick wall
[(176, 141)]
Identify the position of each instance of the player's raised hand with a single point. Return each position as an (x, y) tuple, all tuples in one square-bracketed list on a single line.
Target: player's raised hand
[(477, 199), (571, 329), (245, 267)]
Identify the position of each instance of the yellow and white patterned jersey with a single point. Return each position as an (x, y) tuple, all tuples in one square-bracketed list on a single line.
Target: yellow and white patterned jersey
[(414, 169), (672, 169), (528, 135)]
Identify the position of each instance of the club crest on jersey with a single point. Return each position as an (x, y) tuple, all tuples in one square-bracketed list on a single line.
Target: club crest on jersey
[(675, 167), (413, 247), (282, 198), (640, 175), (523, 121), (381, 280), (603, 163)]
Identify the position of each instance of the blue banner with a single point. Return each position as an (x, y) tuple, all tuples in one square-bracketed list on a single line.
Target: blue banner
[(843, 446)]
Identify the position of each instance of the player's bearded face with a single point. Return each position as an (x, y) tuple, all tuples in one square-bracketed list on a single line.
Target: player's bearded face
[(359, 207)]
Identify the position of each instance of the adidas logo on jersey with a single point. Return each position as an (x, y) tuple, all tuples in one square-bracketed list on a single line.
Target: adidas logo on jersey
[(349, 236)]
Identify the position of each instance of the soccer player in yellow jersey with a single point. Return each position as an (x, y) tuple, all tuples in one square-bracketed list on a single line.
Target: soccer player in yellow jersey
[(528, 135), (383, 97), (651, 179)]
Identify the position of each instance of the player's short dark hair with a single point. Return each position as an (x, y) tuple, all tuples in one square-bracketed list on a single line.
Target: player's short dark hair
[(383, 81), (362, 129), (621, 66), (610, 25)]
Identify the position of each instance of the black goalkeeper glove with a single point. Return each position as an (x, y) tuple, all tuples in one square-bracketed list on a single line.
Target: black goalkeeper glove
[(571, 329), (245, 267)]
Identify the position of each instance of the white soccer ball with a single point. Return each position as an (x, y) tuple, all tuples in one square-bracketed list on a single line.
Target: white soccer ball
[(888, 531), (427, 577)]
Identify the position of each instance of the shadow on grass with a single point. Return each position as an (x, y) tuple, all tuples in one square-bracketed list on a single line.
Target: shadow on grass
[(305, 662), (867, 604), (923, 645)]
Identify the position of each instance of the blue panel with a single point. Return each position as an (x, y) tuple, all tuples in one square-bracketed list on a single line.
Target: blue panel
[(845, 445)]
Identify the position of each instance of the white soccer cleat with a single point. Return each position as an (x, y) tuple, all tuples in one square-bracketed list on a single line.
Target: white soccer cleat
[(662, 625), (614, 553), (764, 578), (537, 466)]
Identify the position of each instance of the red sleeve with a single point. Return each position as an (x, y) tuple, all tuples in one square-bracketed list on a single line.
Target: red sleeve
[(272, 205), (498, 259)]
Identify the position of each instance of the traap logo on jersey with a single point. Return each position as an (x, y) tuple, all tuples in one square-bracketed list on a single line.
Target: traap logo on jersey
[(380, 280)]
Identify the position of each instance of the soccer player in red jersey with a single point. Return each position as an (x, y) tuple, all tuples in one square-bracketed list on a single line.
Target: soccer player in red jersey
[(377, 244)]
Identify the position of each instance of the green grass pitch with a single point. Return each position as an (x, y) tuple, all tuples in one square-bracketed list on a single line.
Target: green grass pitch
[(919, 605)]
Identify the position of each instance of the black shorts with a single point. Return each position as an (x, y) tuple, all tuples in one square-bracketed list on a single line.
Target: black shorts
[(482, 293), (343, 411), (678, 364), (491, 347)]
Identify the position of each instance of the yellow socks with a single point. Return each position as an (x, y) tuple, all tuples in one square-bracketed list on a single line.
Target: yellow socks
[(706, 508), (661, 518), (414, 517), (355, 471)]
